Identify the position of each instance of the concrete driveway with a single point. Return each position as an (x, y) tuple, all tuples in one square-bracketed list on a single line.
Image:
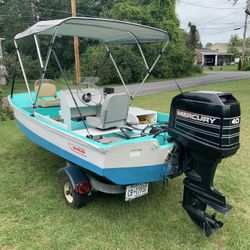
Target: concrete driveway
[(169, 85)]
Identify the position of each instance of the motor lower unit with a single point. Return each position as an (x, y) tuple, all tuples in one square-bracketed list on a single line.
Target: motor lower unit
[(206, 125)]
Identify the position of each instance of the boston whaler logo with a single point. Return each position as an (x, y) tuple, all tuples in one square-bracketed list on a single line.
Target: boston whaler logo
[(77, 149), (195, 116)]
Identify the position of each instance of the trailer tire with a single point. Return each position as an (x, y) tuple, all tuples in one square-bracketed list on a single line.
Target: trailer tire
[(71, 197)]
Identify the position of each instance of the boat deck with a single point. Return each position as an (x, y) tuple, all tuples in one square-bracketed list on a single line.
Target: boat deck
[(108, 137)]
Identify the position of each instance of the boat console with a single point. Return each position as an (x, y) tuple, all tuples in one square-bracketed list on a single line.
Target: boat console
[(69, 110), (102, 112)]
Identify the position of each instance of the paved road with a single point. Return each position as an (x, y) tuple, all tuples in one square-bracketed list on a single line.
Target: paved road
[(169, 85)]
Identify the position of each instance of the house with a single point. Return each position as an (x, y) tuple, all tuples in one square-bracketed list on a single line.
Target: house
[(223, 48), (220, 47), (208, 57)]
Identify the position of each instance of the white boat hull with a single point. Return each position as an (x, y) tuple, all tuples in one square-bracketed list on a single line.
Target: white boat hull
[(143, 161)]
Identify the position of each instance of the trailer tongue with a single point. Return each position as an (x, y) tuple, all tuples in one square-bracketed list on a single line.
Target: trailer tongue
[(206, 125)]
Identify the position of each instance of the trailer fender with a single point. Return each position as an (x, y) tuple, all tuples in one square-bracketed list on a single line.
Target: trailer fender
[(76, 176)]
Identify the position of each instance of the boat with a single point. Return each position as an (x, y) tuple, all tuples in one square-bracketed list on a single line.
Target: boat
[(113, 147)]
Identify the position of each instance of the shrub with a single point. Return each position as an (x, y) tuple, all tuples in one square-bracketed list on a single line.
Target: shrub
[(128, 62), (177, 61), (197, 69), (246, 66), (5, 111), (239, 65), (31, 67), (6, 114)]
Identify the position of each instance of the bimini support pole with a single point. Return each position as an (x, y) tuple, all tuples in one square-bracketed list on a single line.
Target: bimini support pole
[(140, 49), (118, 71), (43, 71), (150, 70), (23, 71), (38, 51)]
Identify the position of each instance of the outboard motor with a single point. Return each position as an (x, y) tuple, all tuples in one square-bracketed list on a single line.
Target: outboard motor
[(206, 125)]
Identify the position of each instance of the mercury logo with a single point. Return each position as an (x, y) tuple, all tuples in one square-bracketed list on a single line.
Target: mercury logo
[(195, 116)]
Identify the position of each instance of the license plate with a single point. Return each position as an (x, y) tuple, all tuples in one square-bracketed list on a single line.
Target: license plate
[(135, 191)]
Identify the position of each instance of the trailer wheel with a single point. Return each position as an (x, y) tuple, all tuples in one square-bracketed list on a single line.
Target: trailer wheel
[(73, 198)]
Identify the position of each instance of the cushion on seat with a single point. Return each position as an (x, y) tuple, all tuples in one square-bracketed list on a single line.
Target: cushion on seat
[(48, 89), (49, 103)]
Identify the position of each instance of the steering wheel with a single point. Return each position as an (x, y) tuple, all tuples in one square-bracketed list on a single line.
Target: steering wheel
[(89, 94)]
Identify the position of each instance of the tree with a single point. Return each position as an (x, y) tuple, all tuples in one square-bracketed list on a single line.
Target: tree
[(209, 45), (179, 59), (193, 38), (19, 15), (234, 42)]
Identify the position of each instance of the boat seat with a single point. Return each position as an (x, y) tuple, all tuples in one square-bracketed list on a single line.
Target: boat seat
[(47, 94), (114, 112)]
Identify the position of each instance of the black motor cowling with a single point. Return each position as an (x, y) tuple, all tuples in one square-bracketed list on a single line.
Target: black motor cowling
[(206, 124)]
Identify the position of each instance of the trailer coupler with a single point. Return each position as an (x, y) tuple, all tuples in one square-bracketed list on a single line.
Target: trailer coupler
[(199, 193)]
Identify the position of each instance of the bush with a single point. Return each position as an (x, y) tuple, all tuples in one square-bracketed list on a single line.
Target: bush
[(6, 114), (197, 69), (177, 61), (5, 111), (31, 67), (246, 66), (128, 62), (239, 65)]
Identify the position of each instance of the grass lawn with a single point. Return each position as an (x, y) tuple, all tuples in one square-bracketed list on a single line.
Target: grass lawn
[(223, 68), (33, 214)]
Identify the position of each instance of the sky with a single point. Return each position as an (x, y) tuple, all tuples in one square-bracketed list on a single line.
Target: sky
[(216, 20)]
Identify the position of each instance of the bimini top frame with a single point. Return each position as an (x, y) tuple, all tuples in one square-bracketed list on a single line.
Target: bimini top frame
[(106, 31)]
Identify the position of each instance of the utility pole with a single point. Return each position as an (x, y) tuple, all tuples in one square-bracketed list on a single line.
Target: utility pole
[(35, 14), (76, 46), (247, 11), (3, 72), (1, 50)]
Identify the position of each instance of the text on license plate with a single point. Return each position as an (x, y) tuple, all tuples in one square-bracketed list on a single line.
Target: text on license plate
[(135, 191)]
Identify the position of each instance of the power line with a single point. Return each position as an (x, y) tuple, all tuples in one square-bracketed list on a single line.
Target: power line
[(64, 12), (210, 7), (54, 10), (222, 27), (21, 16), (216, 33), (218, 18), (215, 24)]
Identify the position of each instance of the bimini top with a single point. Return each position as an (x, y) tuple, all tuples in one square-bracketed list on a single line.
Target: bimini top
[(105, 30)]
